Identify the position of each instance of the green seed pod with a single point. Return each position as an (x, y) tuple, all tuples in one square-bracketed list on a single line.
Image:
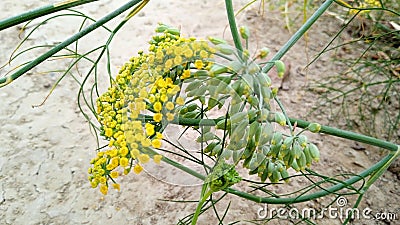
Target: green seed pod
[(200, 91), (307, 153), (237, 88), (192, 114), (238, 117), (266, 133), (225, 49), (224, 78), (265, 150), (302, 161), (254, 126), (244, 32), (237, 155), (287, 143), (271, 168), (206, 137), (314, 127), (253, 164), (297, 150), (276, 176), (210, 147), (216, 150), (200, 74), (265, 173), (295, 166), (249, 150), (222, 88), (212, 102), (279, 166), (276, 138), (261, 167), (216, 41), (288, 160), (221, 124), (280, 67), (264, 52), (285, 175), (264, 80), (217, 69), (257, 134), (314, 152), (161, 28), (239, 131), (274, 92), (283, 153), (192, 106), (252, 114), (236, 145), (226, 154), (235, 66), (246, 162), (253, 69), (302, 140), (193, 85), (266, 94), (275, 150), (280, 118), (173, 31), (263, 115), (253, 101)]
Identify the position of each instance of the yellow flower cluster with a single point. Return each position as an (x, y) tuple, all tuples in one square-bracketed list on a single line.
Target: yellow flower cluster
[(147, 84)]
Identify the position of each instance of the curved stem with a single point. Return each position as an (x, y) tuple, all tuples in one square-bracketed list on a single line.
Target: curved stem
[(39, 12), (6, 80)]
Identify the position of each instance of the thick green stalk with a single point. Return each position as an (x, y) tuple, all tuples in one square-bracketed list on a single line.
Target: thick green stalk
[(6, 80), (38, 12), (350, 135), (200, 204), (233, 27), (300, 32)]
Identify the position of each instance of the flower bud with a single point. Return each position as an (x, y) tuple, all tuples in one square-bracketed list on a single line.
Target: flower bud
[(280, 118), (244, 32), (216, 41), (280, 67), (314, 127), (264, 52)]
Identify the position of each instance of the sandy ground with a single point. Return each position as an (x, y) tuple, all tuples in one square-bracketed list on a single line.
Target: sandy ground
[(45, 151)]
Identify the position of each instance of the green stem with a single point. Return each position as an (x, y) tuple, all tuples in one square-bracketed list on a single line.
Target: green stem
[(233, 27), (6, 80), (285, 114), (303, 29), (350, 135), (200, 205), (39, 12)]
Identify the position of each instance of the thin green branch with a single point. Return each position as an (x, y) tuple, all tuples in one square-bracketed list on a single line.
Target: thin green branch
[(300, 32), (39, 12), (6, 80)]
